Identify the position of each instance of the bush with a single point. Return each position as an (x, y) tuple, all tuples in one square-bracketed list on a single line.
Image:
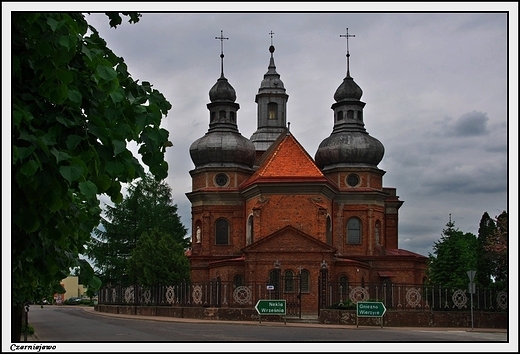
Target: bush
[(30, 329)]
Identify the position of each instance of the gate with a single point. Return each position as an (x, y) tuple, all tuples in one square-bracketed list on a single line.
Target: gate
[(291, 292)]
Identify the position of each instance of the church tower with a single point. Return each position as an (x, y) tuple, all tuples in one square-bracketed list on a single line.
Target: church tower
[(271, 107), (223, 159), (349, 157)]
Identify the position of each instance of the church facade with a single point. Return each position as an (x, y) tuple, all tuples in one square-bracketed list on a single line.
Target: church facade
[(263, 208)]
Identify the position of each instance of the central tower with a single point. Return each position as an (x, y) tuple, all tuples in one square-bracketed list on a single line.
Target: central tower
[(271, 107)]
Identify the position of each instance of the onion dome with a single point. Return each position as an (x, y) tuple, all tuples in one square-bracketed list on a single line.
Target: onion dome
[(349, 144), (222, 91), (349, 149), (348, 90), (223, 145), (222, 148)]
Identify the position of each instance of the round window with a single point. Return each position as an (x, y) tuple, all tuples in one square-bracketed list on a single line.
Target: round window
[(221, 179), (352, 180)]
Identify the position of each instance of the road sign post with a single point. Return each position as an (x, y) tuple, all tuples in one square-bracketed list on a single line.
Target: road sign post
[(370, 309), (471, 276), (271, 307)]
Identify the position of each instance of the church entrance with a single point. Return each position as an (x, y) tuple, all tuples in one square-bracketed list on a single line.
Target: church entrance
[(291, 292)]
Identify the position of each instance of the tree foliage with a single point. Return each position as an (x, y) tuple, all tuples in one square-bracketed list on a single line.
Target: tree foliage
[(159, 259), (147, 207), (453, 255), (485, 263), (74, 108), (496, 246)]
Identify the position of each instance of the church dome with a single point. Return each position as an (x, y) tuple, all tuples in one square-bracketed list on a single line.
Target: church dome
[(222, 91), (221, 148), (349, 148), (349, 144), (348, 90)]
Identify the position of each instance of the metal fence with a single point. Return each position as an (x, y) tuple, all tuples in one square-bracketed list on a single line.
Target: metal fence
[(412, 297), (331, 295), (210, 294)]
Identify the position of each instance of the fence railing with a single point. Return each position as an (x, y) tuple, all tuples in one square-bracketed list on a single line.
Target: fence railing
[(333, 295), (414, 297)]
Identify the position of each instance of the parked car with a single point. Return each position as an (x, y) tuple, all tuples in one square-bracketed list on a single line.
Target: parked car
[(72, 301)]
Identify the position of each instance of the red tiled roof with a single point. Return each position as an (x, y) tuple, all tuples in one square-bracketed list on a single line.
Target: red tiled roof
[(286, 159)]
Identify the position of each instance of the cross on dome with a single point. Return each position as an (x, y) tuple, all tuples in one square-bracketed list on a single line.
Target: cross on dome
[(348, 54), (221, 52)]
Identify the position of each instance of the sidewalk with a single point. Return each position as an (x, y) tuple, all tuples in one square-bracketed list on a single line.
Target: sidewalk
[(299, 323)]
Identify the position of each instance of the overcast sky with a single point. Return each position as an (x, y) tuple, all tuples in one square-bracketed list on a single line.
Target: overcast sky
[(435, 86)]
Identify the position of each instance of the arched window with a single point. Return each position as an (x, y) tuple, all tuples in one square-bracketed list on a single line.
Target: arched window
[(213, 116), (288, 281), (249, 231), (305, 281), (360, 116), (222, 232), (340, 115), (354, 231), (238, 280), (232, 117), (350, 114), (329, 231), (222, 115), (343, 284), (272, 107)]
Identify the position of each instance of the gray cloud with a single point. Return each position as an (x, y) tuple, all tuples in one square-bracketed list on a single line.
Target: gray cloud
[(414, 69)]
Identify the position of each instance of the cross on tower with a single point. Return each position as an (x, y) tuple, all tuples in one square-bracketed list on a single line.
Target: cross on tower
[(348, 54), (271, 33), (221, 51)]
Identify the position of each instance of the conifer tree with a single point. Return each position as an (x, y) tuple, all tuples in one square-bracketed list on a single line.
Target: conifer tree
[(485, 264), (159, 259), (148, 209), (453, 255)]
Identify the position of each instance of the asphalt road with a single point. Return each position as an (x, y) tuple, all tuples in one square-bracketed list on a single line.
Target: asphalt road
[(81, 328)]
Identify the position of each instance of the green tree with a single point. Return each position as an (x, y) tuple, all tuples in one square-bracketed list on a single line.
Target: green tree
[(74, 108), (159, 259), (497, 249), (453, 255), (147, 207), (485, 263)]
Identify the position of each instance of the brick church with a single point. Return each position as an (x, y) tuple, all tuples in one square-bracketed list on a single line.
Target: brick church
[(264, 206)]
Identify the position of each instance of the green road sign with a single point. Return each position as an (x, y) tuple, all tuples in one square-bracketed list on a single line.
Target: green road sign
[(270, 307), (370, 309)]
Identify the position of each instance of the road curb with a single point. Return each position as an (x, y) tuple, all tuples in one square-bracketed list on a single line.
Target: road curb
[(291, 324)]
